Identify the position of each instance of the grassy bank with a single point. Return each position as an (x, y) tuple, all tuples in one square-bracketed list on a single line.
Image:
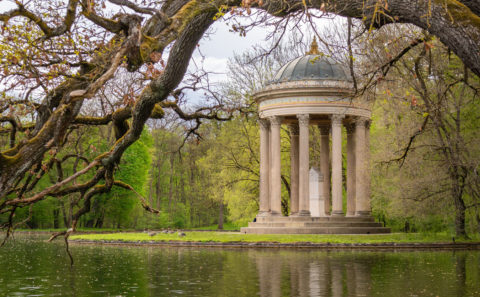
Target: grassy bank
[(80, 230), (237, 237)]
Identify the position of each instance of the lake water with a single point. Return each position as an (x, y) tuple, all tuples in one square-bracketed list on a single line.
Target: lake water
[(32, 267)]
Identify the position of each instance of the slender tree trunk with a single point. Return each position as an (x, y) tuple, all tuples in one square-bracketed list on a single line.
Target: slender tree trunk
[(158, 186), (170, 191), (70, 211), (220, 216), (90, 223), (459, 210), (64, 214), (99, 223), (56, 218)]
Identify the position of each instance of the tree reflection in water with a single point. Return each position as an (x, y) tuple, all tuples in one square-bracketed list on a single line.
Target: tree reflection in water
[(350, 273), (33, 267)]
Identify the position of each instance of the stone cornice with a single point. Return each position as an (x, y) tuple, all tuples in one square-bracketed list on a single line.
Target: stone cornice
[(319, 83), (307, 87), (312, 109)]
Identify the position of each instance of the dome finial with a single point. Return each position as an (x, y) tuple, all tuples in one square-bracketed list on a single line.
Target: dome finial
[(313, 48)]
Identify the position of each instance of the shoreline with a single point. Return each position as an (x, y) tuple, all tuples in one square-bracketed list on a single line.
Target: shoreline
[(295, 245)]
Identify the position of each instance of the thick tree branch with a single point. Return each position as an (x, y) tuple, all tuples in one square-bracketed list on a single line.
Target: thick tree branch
[(48, 31)]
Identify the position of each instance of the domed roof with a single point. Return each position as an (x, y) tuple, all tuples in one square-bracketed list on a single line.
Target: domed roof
[(311, 67)]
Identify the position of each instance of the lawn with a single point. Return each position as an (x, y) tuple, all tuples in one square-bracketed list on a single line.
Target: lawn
[(281, 238)]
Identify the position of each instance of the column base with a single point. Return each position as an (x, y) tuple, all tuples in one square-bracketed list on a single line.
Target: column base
[(275, 213), (303, 213), (350, 214), (337, 213), (263, 214), (363, 213)]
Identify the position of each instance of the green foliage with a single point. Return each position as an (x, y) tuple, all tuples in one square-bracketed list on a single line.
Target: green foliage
[(435, 110), (229, 226), (113, 209)]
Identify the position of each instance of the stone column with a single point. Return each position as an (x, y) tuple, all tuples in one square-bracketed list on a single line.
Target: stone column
[(264, 167), (350, 170), (362, 207), (325, 165), (304, 164), (275, 177), (294, 169), (337, 205), (368, 172)]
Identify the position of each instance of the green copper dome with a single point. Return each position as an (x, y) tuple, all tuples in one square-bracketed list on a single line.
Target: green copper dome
[(311, 67)]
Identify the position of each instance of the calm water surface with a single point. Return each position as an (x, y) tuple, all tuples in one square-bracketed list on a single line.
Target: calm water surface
[(31, 267)]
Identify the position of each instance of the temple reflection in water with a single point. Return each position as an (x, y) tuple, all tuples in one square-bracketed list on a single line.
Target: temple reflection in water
[(281, 274)]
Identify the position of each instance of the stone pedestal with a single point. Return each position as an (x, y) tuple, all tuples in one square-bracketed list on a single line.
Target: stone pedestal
[(314, 225)]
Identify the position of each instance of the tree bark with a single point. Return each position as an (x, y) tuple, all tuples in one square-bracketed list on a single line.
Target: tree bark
[(457, 25), (459, 210), (56, 218), (220, 216)]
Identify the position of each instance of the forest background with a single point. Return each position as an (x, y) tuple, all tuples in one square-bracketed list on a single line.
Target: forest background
[(425, 126)]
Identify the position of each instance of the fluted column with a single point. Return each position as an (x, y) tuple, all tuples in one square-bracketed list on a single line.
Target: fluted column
[(304, 164), (337, 205), (275, 177), (325, 165), (362, 207), (350, 170), (264, 167), (368, 172), (294, 169)]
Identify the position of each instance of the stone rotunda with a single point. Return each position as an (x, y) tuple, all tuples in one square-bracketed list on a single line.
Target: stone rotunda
[(314, 90)]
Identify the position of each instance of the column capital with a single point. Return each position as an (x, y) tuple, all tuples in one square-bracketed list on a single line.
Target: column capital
[(275, 120), (263, 123), (293, 129), (337, 119), (303, 119), (361, 121)]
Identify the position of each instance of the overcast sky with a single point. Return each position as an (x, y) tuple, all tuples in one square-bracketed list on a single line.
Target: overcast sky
[(222, 44)]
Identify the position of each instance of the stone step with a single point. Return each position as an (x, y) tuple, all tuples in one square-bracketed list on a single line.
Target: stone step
[(279, 219), (314, 224), (314, 230)]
